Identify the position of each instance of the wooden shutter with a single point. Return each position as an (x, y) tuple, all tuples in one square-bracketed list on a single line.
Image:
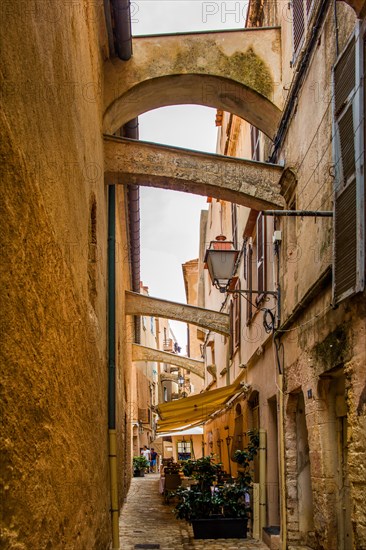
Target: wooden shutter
[(347, 146), (309, 4), (261, 256), (349, 178), (234, 224), (345, 241), (344, 77), (236, 315), (298, 23), (245, 259), (250, 283), (231, 322), (254, 140)]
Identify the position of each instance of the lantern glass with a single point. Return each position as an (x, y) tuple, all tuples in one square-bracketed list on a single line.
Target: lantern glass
[(220, 260)]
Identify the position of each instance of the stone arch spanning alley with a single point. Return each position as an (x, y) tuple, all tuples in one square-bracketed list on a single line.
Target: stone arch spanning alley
[(237, 71)]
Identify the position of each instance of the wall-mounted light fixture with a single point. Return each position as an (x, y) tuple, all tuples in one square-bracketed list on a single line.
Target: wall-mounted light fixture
[(220, 260)]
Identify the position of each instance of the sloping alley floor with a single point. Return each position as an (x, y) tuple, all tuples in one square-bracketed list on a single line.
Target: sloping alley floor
[(146, 522)]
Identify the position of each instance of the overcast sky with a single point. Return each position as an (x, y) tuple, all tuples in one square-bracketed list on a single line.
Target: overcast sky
[(170, 220)]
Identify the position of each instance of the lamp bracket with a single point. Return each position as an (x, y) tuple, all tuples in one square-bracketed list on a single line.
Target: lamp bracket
[(244, 291)]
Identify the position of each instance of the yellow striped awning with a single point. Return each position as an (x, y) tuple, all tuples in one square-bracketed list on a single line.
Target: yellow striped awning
[(195, 409)]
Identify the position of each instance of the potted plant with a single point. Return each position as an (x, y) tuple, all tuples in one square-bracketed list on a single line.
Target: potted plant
[(204, 470), (140, 463), (218, 511)]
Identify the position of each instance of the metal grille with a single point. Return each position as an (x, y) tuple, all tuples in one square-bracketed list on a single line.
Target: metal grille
[(346, 137), (298, 22), (344, 76), (346, 241)]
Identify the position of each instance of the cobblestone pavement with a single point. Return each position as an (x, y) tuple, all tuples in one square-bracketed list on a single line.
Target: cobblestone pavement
[(146, 522)]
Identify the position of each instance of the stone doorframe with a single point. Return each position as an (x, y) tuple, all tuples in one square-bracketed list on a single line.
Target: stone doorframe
[(294, 485)]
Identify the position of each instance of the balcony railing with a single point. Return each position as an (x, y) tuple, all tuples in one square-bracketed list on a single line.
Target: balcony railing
[(168, 345)]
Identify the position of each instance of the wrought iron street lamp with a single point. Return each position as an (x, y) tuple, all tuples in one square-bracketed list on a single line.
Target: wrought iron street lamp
[(220, 260)]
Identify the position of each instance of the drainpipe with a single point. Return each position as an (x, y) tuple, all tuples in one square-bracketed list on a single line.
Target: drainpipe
[(112, 363), (131, 131), (122, 28), (262, 479), (282, 465), (118, 21)]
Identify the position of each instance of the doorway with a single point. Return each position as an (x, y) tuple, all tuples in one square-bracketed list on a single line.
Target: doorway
[(304, 486), (273, 494)]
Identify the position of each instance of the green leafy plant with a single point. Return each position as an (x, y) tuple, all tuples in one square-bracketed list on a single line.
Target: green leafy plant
[(140, 463), (195, 504), (204, 470), (245, 458), (234, 501), (207, 500)]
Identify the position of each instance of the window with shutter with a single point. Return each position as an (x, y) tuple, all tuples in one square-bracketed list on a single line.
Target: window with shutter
[(234, 319), (298, 23), (301, 14), (255, 143), (309, 4), (231, 322), (236, 315), (234, 224), (261, 256), (349, 184), (250, 283), (245, 259)]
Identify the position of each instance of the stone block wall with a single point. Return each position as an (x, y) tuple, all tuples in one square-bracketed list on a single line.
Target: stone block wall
[(54, 469), (330, 372)]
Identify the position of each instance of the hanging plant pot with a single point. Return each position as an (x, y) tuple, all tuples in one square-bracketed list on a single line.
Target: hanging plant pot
[(220, 528)]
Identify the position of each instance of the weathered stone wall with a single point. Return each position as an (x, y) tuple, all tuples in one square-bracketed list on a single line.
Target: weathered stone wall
[(54, 233), (124, 339), (329, 369), (324, 352)]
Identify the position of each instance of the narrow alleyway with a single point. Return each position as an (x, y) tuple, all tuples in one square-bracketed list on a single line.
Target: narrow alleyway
[(146, 522)]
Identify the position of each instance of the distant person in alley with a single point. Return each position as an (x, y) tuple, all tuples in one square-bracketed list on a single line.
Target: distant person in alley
[(153, 458), (146, 453)]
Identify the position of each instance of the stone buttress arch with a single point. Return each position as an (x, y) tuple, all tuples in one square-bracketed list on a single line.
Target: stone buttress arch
[(237, 71)]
